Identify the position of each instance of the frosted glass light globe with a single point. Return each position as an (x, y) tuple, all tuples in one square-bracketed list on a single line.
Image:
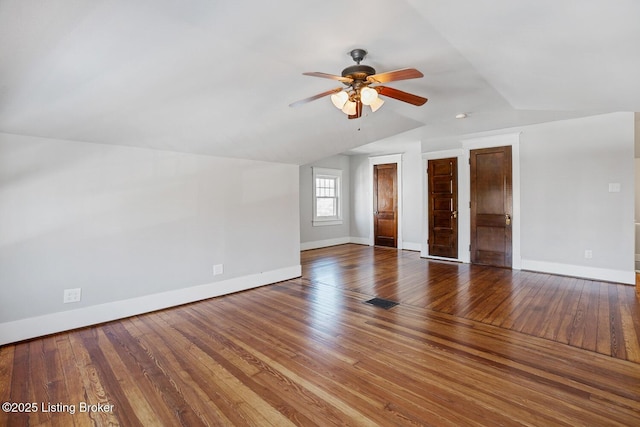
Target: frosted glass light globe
[(339, 99), (368, 95)]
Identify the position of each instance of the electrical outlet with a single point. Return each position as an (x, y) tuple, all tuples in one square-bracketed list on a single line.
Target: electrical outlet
[(72, 295), (588, 253), (218, 269)]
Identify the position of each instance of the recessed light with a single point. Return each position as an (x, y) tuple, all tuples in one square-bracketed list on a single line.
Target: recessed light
[(461, 116)]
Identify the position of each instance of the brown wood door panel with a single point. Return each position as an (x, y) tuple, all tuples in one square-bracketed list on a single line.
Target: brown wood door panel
[(443, 207), (490, 220), (385, 205), (491, 206)]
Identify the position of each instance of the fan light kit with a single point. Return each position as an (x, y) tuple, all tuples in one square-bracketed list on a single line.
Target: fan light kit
[(359, 91)]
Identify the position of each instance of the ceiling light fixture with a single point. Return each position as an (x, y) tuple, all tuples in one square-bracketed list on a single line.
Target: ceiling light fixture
[(461, 116), (358, 92), (348, 101)]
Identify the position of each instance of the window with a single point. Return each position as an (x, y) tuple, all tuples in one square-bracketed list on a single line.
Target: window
[(327, 206)]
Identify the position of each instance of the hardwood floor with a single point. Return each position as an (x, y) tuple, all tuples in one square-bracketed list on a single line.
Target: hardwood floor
[(467, 345), (597, 316)]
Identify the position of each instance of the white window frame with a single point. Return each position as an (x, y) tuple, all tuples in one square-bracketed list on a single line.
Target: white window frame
[(335, 174)]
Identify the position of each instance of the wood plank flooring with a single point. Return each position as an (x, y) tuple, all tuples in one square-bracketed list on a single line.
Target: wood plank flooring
[(465, 346), (596, 316)]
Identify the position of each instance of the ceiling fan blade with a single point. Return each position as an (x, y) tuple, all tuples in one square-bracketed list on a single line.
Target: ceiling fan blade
[(330, 76), (400, 95), (392, 76), (358, 111), (314, 97)]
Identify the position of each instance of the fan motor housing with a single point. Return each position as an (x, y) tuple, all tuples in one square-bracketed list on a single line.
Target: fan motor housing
[(358, 72)]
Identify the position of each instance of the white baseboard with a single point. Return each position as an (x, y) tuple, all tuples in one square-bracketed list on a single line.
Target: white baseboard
[(32, 327), (440, 258), (333, 242), (359, 240), (411, 246), (605, 274), (324, 243)]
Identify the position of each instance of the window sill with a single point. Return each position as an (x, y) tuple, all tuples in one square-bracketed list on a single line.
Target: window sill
[(322, 223)]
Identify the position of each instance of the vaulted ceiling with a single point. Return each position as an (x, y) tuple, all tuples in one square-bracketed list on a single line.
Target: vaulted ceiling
[(217, 77)]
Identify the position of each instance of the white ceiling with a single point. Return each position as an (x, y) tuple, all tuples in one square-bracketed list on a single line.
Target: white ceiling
[(216, 77)]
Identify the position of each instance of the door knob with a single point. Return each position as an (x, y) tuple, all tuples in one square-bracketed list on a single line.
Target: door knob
[(507, 219), (454, 214)]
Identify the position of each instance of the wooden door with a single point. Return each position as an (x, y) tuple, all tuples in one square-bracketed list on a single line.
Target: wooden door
[(385, 205), (491, 206), (443, 207)]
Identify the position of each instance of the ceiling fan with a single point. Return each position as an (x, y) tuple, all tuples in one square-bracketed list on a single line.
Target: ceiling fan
[(360, 90)]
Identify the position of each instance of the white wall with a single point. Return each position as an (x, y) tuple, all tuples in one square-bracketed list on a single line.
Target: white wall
[(566, 169), (136, 229), (361, 188), (326, 235), (637, 190), (413, 180), (637, 214)]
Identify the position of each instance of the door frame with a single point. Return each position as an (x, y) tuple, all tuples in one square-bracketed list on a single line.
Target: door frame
[(381, 160), (464, 193), (512, 139)]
